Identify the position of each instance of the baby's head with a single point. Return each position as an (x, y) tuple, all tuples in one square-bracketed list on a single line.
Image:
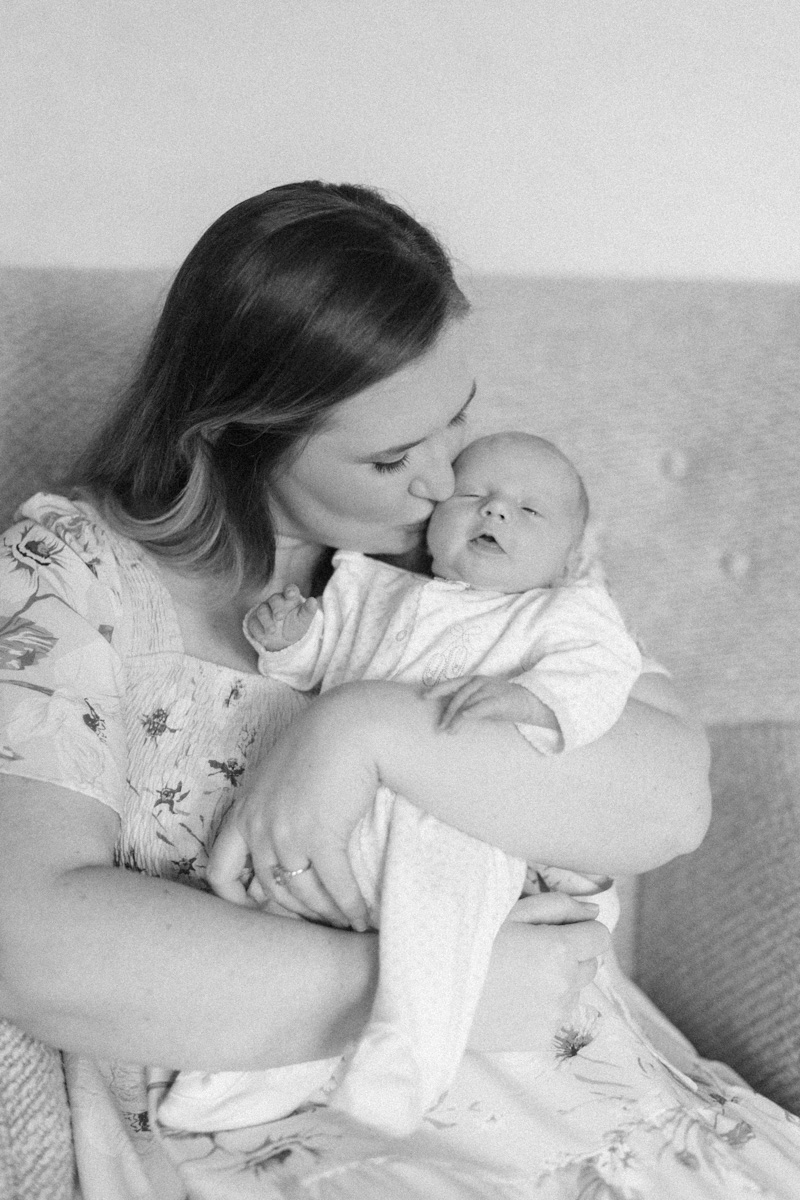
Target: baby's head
[(517, 515)]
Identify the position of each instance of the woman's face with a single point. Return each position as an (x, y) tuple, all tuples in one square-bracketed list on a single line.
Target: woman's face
[(369, 479)]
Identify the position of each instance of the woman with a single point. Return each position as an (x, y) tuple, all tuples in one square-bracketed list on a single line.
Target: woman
[(306, 387)]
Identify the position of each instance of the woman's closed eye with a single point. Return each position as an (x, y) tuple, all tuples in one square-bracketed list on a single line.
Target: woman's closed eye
[(388, 467)]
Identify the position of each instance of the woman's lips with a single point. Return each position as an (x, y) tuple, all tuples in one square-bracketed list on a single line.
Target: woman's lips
[(418, 527)]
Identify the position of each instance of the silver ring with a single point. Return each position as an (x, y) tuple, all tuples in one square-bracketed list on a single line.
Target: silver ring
[(280, 874)]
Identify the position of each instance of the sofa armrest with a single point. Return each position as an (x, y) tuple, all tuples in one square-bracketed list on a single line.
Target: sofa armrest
[(718, 933)]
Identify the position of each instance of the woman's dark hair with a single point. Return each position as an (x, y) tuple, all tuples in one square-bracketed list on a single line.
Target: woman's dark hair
[(292, 301)]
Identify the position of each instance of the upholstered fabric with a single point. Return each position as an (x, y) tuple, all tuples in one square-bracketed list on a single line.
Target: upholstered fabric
[(679, 403), (67, 339), (718, 945), (36, 1159)]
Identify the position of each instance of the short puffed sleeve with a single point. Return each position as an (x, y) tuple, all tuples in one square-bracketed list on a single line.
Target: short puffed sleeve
[(61, 676)]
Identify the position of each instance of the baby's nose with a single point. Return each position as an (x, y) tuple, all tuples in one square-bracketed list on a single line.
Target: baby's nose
[(495, 507)]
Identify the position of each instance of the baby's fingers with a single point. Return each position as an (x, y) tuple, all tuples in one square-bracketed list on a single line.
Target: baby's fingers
[(447, 686), (278, 607), (259, 621), (481, 708), (461, 704)]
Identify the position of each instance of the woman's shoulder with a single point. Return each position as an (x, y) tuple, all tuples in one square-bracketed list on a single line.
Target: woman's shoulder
[(59, 547), (68, 537)]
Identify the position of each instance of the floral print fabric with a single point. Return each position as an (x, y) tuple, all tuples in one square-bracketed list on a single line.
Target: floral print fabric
[(98, 696)]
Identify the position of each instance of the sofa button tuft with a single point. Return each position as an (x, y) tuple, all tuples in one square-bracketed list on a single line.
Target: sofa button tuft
[(736, 564), (675, 464)]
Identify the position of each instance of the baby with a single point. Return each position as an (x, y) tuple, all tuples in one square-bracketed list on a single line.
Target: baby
[(507, 629)]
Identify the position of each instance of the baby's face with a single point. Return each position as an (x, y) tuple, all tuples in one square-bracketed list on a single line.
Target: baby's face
[(513, 519)]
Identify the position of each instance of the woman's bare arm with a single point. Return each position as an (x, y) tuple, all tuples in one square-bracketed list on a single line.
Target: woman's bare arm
[(99, 959), (624, 804), (96, 958)]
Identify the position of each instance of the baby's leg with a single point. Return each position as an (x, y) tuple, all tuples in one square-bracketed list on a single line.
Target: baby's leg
[(441, 898)]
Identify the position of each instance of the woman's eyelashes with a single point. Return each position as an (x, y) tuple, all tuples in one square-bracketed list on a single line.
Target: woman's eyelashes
[(387, 467)]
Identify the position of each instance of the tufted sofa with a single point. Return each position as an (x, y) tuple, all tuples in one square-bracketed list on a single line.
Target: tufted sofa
[(680, 402)]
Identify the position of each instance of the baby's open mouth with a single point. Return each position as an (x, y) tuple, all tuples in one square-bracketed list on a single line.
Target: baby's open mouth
[(485, 541)]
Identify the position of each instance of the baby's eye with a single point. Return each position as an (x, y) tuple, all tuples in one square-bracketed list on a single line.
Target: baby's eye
[(533, 511), (387, 467)]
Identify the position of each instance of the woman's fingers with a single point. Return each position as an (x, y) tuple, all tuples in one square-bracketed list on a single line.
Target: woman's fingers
[(579, 936), (325, 891), (229, 865), (586, 940), (552, 908), (333, 868), (314, 904), (307, 896)]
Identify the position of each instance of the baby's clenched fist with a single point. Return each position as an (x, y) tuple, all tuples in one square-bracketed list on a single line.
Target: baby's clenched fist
[(282, 619)]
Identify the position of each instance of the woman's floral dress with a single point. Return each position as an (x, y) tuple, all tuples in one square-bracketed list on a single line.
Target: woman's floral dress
[(99, 697)]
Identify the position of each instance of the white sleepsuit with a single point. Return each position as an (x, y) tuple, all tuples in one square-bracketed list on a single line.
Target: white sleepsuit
[(437, 895)]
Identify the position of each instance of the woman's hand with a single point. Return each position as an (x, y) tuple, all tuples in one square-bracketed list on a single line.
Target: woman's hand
[(543, 956), (304, 800)]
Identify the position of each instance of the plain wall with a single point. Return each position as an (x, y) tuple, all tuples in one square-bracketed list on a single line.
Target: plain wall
[(604, 137)]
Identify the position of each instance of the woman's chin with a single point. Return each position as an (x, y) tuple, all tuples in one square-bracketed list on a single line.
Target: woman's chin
[(397, 541)]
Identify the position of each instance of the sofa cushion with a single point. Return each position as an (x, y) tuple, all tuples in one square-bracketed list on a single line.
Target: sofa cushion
[(676, 399), (718, 933)]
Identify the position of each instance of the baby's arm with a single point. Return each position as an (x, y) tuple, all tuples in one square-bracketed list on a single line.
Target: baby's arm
[(288, 633), (585, 664), (299, 641)]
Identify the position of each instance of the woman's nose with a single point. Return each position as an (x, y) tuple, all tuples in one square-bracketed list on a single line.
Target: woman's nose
[(434, 480)]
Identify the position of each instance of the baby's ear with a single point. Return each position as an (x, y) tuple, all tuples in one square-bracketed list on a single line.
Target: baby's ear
[(583, 561)]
